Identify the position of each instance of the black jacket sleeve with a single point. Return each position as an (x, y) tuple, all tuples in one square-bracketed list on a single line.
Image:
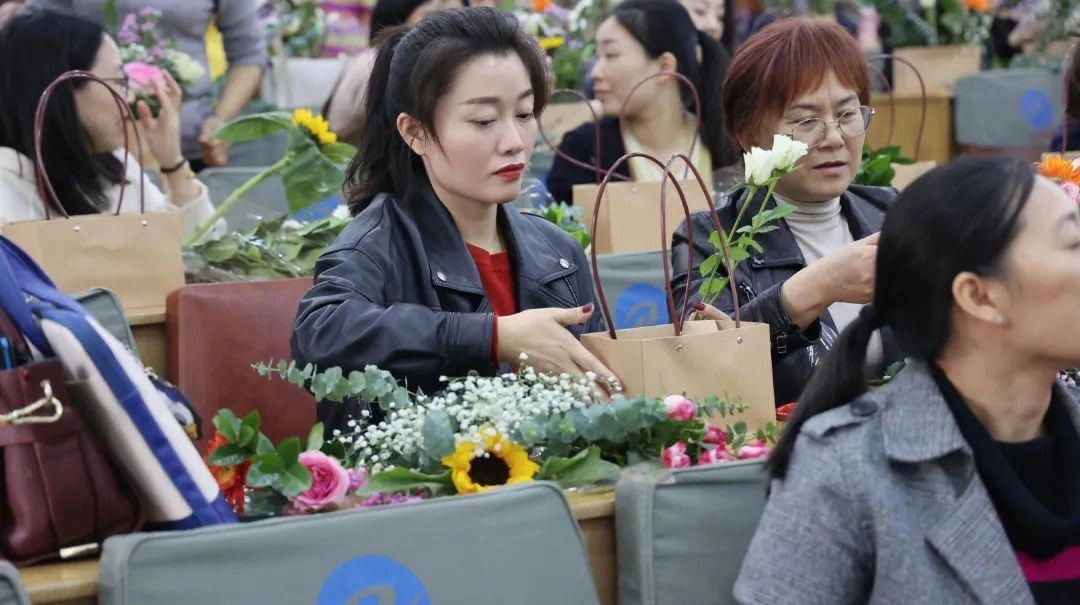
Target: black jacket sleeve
[(346, 320)]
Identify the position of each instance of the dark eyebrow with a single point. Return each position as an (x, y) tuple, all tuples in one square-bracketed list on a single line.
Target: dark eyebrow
[(495, 100)]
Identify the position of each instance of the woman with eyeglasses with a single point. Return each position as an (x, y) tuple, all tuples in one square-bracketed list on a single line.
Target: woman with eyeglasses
[(82, 143), (808, 79)]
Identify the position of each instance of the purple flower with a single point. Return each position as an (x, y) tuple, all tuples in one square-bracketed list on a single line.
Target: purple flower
[(128, 33), (383, 498), (149, 11), (357, 478), (156, 53)]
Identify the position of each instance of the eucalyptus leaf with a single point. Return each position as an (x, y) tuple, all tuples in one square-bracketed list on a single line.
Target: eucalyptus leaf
[(437, 434)]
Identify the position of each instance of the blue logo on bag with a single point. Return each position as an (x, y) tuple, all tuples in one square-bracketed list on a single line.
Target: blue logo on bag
[(641, 305), (1037, 109), (373, 580)]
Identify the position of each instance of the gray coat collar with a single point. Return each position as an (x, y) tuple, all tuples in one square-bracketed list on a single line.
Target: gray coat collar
[(968, 536)]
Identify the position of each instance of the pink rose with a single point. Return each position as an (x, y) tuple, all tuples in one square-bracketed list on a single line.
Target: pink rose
[(679, 407), (675, 456), (144, 75), (357, 478), (714, 455), (714, 435), (329, 482)]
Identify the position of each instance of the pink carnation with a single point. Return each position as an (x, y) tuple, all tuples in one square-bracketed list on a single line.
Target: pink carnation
[(144, 75), (753, 451), (675, 456), (679, 407), (1073, 190), (714, 435), (714, 455), (329, 482)]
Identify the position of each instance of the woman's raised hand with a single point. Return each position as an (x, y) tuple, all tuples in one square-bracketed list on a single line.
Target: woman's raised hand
[(163, 132)]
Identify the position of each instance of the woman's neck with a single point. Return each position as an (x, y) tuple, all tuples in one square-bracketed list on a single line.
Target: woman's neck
[(662, 127), (1008, 395), (476, 221)]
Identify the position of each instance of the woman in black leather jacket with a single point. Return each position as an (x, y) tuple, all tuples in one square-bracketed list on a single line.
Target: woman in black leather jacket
[(806, 79), (436, 275)]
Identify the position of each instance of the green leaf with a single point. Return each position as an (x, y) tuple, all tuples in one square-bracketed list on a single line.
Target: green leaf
[(294, 480), (251, 420), (227, 424), (289, 451), (401, 479), (246, 436), (437, 434), (585, 467), (254, 126), (264, 470), (315, 438), (310, 176), (111, 19), (709, 266), (338, 153), (229, 454), (263, 445)]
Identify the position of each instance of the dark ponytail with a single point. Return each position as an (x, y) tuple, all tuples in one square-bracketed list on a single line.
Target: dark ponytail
[(414, 68), (959, 217), (665, 26)]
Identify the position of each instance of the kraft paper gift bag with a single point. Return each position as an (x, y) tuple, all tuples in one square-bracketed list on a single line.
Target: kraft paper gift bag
[(137, 256), (729, 359)]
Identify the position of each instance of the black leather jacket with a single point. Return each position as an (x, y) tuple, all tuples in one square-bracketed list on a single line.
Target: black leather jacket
[(399, 289), (758, 280)]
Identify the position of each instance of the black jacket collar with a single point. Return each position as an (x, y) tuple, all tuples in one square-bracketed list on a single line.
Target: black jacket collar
[(534, 257), (863, 207)]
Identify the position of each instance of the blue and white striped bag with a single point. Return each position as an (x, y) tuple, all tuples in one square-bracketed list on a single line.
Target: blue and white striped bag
[(128, 413)]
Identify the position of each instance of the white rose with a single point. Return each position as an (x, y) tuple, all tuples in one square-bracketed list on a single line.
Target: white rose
[(187, 69), (786, 152), (759, 166)]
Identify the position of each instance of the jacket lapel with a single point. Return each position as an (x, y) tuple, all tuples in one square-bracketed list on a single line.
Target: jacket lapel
[(967, 535), (536, 261), (450, 265)]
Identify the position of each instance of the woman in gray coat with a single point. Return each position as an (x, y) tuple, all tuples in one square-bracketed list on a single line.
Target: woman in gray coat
[(958, 482)]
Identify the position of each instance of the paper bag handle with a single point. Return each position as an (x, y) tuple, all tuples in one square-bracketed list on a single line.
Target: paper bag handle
[(693, 91), (596, 141), (676, 319), (892, 98), (45, 188)]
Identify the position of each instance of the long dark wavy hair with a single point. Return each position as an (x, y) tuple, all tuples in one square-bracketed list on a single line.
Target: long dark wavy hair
[(38, 46), (959, 217)]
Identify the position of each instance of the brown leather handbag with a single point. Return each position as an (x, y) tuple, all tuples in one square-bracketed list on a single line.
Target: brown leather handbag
[(59, 494)]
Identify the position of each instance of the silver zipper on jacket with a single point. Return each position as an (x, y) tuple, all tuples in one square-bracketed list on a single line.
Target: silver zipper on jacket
[(573, 294)]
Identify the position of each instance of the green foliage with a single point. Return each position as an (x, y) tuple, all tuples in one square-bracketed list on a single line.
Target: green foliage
[(399, 479), (277, 468), (568, 63), (877, 166), (333, 385), (947, 22), (112, 19), (296, 28), (568, 218), (271, 249), (310, 175), (740, 241), (584, 468), (255, 126)]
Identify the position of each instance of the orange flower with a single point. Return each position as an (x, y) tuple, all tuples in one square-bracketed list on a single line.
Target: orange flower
[(980, 6), (231, 479), (1059, 169), (540, 6)]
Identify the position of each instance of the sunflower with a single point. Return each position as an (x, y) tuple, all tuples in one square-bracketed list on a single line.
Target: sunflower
[(1059, 169), (550, 43), (315, 124), (477, 468)]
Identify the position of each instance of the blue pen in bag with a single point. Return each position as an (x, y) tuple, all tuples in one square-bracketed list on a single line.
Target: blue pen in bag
[(5, 353)]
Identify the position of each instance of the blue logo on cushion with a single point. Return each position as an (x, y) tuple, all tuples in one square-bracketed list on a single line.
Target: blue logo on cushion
[(641, 305), (373, 580), (1037, 109)]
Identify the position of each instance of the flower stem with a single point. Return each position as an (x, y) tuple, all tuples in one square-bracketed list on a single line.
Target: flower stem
[(234, 197), (751, 191)]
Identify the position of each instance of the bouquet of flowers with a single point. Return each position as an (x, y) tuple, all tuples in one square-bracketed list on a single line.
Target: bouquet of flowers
[(935, 22), (145, 54), (1065, 173), (294, 28), (566, 35)]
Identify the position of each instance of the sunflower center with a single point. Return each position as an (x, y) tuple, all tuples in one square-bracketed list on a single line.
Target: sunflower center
[(489, 470)]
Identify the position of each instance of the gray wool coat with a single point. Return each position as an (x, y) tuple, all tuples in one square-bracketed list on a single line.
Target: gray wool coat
[(882, 504)]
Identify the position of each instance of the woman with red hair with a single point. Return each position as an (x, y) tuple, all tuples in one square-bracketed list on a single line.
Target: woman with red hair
[(807, 79)]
